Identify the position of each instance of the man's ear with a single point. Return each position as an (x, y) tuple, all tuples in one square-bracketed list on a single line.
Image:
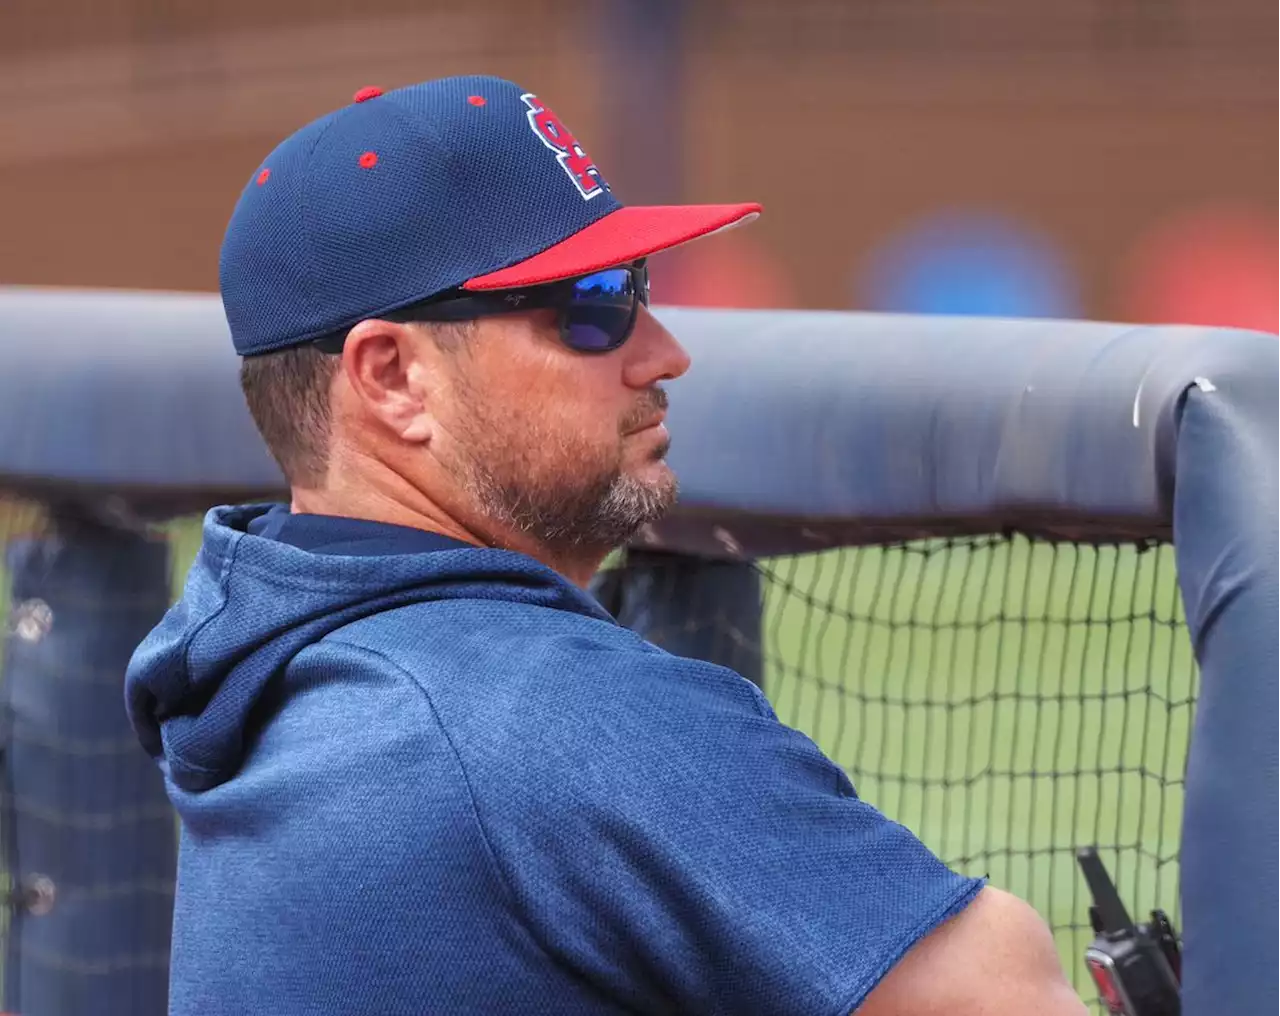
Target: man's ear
[(382, 363)]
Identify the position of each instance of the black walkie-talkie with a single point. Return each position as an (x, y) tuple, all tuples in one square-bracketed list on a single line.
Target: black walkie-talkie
[(1137, 968)]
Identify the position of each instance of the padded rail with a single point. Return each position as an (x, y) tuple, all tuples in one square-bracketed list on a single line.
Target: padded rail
[(793, 431)]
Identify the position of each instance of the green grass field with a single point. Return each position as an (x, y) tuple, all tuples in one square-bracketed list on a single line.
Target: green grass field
[(1007, 701)]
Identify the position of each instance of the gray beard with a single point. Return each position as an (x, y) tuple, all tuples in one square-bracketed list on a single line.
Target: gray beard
[(574, 512), (572, 516)]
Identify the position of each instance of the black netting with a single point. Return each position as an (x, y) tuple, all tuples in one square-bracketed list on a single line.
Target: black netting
[(1008, 700)]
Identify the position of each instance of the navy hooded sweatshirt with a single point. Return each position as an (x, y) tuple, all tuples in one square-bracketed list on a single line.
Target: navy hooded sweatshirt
[(418, 777)]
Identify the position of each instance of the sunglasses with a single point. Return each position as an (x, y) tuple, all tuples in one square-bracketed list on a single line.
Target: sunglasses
[(596, 313)]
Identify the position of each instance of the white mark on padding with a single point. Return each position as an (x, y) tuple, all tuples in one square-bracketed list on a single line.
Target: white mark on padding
[(31, 620), (1205, 385), (726, 540), (1137, 403), (38, 895)]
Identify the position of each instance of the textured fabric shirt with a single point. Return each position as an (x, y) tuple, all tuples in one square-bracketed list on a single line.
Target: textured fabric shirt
[(420, 777)]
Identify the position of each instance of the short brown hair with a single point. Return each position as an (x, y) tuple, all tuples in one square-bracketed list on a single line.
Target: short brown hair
[(288, 396)]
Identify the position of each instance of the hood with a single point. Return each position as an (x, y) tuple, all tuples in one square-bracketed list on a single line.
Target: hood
[(251, 604)]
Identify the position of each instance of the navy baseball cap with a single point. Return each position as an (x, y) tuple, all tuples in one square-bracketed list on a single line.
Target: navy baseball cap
[(466, 182)]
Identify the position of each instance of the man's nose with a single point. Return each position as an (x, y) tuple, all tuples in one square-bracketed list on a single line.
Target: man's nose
[(653, 353)]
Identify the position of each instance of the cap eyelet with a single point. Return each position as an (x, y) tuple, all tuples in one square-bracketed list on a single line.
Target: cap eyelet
[(264, 176), (477, 100), (366, 93), (368, 160)]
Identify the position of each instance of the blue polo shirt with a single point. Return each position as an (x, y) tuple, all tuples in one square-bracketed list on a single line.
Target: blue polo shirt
[(416, 776)]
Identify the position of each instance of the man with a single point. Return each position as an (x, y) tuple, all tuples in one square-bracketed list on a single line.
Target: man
[(419, 769)]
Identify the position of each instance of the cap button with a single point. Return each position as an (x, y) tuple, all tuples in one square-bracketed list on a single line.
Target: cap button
[(367, 93)]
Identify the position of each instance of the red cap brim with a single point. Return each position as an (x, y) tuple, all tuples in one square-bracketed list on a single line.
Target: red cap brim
[(618, 238)]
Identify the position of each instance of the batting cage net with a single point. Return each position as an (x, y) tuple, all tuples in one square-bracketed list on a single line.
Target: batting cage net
[(1009, 700), (1004, 698)]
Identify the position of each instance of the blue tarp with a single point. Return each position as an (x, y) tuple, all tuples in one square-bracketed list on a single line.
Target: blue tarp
[(83, 806)]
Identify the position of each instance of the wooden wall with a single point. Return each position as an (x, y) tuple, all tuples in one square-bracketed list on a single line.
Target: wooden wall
[(128, 128)]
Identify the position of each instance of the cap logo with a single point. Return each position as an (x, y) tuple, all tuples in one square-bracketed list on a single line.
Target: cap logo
[(573, 159)]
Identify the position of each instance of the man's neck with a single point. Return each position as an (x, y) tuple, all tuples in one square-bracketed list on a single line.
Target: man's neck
[(375, 506), (408, 507)]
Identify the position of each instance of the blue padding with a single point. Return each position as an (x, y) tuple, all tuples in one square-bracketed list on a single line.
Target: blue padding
[(84, 805), (129, 392), (856, 425), (795, 431), (1225, 526)]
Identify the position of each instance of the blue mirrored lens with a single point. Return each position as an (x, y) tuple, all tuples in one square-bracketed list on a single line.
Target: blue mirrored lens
[(601, 311), (612, 284)]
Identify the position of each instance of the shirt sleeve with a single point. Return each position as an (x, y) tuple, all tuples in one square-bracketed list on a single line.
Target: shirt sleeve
[(669, 839)]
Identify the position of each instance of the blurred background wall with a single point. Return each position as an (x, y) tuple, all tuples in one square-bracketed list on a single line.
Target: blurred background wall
[(1099, 158)]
